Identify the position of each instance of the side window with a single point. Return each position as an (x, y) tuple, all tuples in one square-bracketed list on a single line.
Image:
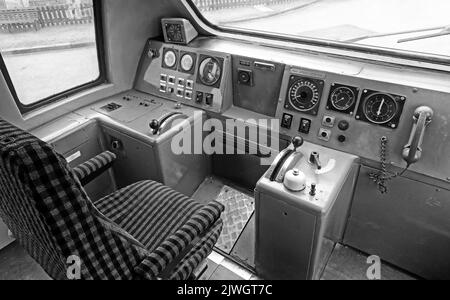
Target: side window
[(50, 48)]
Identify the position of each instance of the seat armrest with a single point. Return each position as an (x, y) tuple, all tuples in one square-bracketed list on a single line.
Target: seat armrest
[(172, 250), (90, 170)]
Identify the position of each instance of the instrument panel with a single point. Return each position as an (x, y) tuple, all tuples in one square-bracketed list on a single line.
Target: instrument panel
[(304, 95), (344, 113), (181, 74)]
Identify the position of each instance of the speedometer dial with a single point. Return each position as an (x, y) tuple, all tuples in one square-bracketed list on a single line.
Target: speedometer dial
[(304, 95), (380, 108), (343, 98)]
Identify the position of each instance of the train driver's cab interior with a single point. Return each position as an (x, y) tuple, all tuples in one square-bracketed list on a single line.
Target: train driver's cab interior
[(224, 140)]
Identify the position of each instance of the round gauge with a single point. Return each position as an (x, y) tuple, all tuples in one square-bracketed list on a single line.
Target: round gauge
[(210, 71), (187, 62), (170, 59), (304, 95), (343, 98), (380, 108)]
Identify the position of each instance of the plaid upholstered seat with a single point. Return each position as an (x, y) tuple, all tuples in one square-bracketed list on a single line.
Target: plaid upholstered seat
[(144, 231)]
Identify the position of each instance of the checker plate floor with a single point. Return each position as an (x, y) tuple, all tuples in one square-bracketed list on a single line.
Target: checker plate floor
[(238, 210)]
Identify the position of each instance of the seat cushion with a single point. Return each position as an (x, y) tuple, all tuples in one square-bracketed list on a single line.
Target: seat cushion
[(151, 212)]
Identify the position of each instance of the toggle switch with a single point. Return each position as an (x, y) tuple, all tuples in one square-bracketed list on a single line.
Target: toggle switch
[(305, 126), (286, 121)]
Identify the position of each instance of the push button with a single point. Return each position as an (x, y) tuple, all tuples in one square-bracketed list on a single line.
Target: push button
[(188, 95), (324, 135), (328, 121), (342, 138), (286, 122)]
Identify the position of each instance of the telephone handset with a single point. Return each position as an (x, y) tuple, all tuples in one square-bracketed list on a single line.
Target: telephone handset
[(412, 152)]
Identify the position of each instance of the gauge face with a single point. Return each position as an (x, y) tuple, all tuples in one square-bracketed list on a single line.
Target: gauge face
[(343, 98), (170, 59), (210, 71), (174, 32), (187, 62), (304, 95), (380, 108)]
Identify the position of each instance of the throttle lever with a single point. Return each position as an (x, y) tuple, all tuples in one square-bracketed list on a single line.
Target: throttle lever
[(412, 152), (284, 159)]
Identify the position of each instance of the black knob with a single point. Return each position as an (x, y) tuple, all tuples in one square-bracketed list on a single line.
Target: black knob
[(297, 142), (342, 138), (344, 125), (154, 125)]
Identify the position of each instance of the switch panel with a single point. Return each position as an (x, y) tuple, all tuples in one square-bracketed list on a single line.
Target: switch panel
[(194, 76)]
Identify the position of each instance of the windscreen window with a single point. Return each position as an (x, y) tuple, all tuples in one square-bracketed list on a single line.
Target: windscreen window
[(416, 26)]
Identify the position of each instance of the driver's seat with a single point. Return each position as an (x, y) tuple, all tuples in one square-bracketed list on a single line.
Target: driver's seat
[(144, 231)]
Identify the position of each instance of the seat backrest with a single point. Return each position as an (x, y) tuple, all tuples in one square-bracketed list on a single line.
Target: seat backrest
[(46, 208)]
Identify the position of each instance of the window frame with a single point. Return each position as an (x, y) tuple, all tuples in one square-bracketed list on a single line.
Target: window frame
[(396, 57), (101, 79)]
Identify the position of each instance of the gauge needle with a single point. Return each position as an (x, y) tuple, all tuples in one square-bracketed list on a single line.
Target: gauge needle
[(381, 106)]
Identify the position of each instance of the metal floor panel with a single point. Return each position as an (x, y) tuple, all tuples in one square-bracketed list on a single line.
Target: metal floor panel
[(238, 210)]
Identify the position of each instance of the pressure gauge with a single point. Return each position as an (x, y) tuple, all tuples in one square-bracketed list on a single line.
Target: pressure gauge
[(187, 62), (210, 71), (380, 108), (170, 59), (343, 98)]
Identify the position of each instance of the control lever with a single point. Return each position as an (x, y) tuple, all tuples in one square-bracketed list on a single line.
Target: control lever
[(159, 126), (412, 152), (285, 158), (314, 159)]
